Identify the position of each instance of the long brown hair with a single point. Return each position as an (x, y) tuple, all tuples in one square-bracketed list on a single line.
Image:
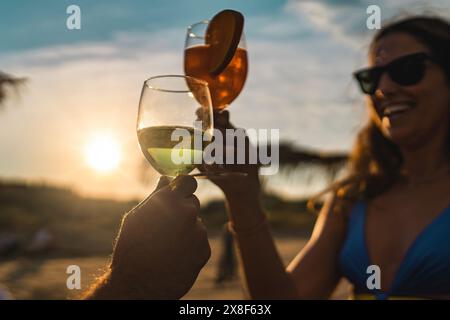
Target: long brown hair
[(375, 162)]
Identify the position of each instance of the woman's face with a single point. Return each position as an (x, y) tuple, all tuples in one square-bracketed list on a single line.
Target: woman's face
[(427, 102)]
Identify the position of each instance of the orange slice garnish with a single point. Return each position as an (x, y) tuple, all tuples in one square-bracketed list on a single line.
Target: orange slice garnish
[(223, 35)]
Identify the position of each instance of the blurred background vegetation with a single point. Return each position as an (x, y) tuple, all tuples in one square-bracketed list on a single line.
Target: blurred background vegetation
[(87, 226)]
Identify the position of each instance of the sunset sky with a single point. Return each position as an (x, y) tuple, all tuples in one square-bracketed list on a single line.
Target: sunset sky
[(84, 85)]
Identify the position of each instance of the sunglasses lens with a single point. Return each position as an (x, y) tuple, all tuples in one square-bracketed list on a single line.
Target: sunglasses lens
[(367, 80), (407, 71)]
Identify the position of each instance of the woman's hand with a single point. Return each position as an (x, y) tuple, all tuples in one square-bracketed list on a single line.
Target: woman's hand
[(233, 185)]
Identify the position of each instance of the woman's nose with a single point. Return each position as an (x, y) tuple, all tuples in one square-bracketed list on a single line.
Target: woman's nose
[(386, 86)]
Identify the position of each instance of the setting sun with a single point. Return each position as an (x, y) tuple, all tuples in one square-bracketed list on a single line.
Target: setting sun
[(103, 153)]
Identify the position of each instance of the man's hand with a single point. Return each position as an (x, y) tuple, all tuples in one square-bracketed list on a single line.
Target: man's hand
[(161, 247)]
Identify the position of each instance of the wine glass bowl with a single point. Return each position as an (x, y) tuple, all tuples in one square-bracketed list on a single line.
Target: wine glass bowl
[(225, 86), (174, 110)]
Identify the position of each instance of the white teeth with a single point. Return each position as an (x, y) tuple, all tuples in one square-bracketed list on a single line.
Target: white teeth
[(396, 108)]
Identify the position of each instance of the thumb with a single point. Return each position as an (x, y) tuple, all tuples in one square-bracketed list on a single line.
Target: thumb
[(162, 182)]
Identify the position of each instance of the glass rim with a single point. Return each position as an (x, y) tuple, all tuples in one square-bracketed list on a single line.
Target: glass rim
[(191, 34), (206, 21), (199, 81)]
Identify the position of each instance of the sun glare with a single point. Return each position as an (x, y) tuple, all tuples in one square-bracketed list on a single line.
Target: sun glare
[(103, 153)]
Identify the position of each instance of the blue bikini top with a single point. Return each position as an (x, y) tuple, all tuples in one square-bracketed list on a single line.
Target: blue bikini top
[(424, 271)]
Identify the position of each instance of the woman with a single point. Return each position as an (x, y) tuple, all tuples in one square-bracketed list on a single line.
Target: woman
[(393, 208)]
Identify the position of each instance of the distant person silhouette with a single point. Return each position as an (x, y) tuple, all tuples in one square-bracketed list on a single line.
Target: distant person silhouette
[(226, 267)]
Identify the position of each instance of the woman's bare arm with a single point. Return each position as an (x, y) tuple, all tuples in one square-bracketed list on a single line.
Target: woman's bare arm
[(265, 274), (315, 270), (312, 274)]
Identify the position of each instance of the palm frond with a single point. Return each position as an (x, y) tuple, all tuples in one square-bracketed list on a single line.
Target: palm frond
[(7, 80)]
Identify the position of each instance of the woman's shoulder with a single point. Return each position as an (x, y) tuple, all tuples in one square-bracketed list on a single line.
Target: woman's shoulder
[(342, 209)]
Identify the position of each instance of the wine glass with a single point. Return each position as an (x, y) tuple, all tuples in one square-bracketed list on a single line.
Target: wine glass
[(169, 130), (225, 86)]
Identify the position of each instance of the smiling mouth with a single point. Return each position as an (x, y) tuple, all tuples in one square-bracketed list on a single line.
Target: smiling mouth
[(396, 109)]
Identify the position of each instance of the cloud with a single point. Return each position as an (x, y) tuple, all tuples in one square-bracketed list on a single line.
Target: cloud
[(343, 20), (346, 20)]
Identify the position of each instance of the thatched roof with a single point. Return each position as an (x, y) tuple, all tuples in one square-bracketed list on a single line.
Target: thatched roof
[(300, 158)]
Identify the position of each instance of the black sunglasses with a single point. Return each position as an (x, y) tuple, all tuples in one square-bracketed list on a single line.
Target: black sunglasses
[(406, 71)]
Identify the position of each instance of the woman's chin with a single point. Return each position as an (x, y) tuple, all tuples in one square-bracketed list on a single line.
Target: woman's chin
[(399, 132), (399, 136)]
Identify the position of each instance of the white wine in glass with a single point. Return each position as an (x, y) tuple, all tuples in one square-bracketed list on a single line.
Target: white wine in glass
[(174, 119), (158, 148)]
